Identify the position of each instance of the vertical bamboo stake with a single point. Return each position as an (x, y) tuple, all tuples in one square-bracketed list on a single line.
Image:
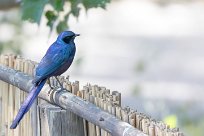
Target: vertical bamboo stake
[(162, 127), (157, 129), (5, 100), (75, 87), (106, 109), (79, 94), (124, 115), (82, 93), (132, 118), (145, 126), (117, 97), (17, 98), (96, 102), (118, 112), (26, 117), (138, 120), (1, 103), (102, 91), (103, 105), (22, 99), (97, 91), (33, 109), (113, 110), (11, 98), (1, 99), (152, 129), (142, 122), (100, 105), (92, 129), (109, 109), (107, 91), (68, 85), (86, 97)]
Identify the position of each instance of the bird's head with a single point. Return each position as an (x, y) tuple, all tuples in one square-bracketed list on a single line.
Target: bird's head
[(67, 36)]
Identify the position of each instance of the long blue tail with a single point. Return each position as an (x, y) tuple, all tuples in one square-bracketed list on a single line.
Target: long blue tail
[(27, 103)]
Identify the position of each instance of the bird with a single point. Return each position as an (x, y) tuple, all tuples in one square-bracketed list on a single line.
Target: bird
[(56, 61)]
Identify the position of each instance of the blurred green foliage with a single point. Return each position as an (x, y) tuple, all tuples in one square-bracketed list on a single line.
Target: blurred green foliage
[(33, 10), (136, 90), (12, 45), (140, 66), (191, 121), (171, 120), (194, 128)]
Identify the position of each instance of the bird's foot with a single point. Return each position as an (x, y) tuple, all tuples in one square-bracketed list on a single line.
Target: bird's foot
[(60, 86), (51, 87), (49, 83)]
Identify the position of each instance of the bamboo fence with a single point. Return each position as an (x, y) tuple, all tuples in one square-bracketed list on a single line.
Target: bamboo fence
[(45, 119)]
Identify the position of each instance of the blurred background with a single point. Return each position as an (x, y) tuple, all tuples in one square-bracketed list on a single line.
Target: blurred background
[(149, 50)]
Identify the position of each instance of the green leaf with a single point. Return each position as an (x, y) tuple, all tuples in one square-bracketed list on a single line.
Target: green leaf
[(62, 26), (66, 17), (51, 17), (32, 10), (75, 9), (95, 3), (57, 4)]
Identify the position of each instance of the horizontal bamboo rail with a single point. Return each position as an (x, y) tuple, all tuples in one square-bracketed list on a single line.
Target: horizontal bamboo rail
[(71, 102)]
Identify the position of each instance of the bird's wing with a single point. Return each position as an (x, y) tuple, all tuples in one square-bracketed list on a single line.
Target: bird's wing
[(54, 58)]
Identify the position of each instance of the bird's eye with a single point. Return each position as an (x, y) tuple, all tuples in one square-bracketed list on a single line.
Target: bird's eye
[(67, 39)]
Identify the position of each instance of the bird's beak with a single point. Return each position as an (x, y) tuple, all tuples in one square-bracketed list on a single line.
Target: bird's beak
[(77, 35)]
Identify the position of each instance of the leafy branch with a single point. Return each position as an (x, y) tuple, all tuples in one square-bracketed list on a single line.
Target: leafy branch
[(33, 10)]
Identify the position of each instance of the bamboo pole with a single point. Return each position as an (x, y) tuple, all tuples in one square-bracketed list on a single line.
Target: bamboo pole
[(22, 98), (5, 100), (26, 117), (97, 103), (17, 97), (132, 118), (33, 109), (152, 129), (1, 101), (10, 97), (109, 109), (102, 105), (124, 115), (1, 93), (92, 128), (116, 97), (85, 122)]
